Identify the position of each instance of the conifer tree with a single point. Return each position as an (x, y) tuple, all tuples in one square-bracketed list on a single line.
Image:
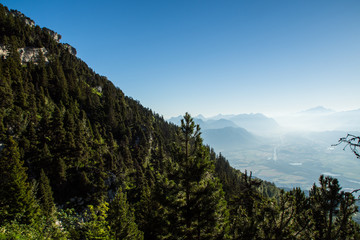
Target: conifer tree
[(331, 210), (17, 200), (2, 126), (246, 207), (199, 210), (57, 128), (122, 220), (6, 93), (46, 196), (97, 227)]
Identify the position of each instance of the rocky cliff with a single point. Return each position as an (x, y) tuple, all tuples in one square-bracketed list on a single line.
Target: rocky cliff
[(27, 54)]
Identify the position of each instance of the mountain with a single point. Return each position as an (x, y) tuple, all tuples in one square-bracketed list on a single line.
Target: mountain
[(221, 116), (206, 123), (81, 160), (322, 119), (317, 110), (73, 146), (228, 138), (216, 124), (175, 120), (200, 117), (256, 123)]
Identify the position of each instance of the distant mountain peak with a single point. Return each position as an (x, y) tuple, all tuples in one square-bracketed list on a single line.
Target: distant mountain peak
[(318, 110), (200, 116)]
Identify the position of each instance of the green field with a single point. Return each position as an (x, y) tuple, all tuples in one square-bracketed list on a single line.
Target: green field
[(297, 160)]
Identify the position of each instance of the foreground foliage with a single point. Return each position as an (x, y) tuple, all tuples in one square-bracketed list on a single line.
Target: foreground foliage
[(80, 160)]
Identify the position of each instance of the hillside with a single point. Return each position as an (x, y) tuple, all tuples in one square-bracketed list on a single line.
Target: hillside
[(229, 138), (81, 160)]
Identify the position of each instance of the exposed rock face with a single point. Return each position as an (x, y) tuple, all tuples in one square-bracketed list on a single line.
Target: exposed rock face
[(99, 88), (53, 34), (3, 51), (31, 23), (27, 20), (27, 54), (31, 54), (70, 49)]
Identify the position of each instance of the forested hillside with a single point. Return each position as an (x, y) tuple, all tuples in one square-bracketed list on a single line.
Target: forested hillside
[(81, 160)]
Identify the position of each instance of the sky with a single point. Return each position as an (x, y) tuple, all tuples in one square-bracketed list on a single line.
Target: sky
[(214, 57)]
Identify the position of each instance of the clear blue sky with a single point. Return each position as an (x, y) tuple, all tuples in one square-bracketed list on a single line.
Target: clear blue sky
[(210, 57)]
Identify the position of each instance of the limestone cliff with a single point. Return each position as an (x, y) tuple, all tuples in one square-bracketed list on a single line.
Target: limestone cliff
[(27, 54), (70, 49), (26, 19), (31, 54), (53, 34)]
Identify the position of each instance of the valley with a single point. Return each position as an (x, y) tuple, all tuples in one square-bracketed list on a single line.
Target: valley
[(288, 158), (295, 161), (81, 157)]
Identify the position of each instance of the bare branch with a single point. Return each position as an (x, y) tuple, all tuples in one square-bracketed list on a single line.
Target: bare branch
[(351, 141), (356, 190)]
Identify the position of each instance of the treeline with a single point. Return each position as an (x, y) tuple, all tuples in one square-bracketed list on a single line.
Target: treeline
[(80, 160)]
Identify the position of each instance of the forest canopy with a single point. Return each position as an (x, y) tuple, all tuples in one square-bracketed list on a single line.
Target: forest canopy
[(81, 160)]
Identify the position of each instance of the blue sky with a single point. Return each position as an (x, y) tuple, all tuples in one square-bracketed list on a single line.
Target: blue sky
[(209, 57)]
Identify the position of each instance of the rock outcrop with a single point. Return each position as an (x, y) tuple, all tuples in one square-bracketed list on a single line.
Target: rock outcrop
[(3, 51), (26, 19), (31, 54), (27, 54), (70, 49), (53, 34)]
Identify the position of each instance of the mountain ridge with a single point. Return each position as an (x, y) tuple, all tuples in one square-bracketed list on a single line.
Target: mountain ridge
[(81, 160), (89, 148), (257, 123)]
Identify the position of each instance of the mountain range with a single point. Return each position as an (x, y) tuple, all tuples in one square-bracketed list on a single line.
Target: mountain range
[(299, 145), (255, 123), (322, 119), (81, 160)]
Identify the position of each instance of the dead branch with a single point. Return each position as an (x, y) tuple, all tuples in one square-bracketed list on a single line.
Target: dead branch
[(351, 141)]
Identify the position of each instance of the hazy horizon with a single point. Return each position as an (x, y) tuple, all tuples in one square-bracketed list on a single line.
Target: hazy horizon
[(212, 57), (315, 119)]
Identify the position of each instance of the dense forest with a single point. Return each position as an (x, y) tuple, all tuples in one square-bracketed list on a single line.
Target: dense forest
[(81, 160)]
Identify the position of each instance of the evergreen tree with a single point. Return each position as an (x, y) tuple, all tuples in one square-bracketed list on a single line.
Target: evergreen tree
[(6, 92), (89, 138), (96, 226), (332, 210), (288, 219), (199, 209), (57, 128), (17, 200), (45, 195), (121, 219), (247, 209)]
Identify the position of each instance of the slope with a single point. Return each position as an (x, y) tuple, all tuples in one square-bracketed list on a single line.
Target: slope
[(102, 166)]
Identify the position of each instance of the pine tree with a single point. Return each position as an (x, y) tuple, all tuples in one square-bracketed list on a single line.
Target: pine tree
[(122, 220), (97, 227), (17, 200), (199, 210), (57, 129), (6, 93), (46, 196), (331, 210), (246, 205)]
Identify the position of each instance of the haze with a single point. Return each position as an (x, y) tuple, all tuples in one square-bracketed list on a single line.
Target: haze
[(212, 57)]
